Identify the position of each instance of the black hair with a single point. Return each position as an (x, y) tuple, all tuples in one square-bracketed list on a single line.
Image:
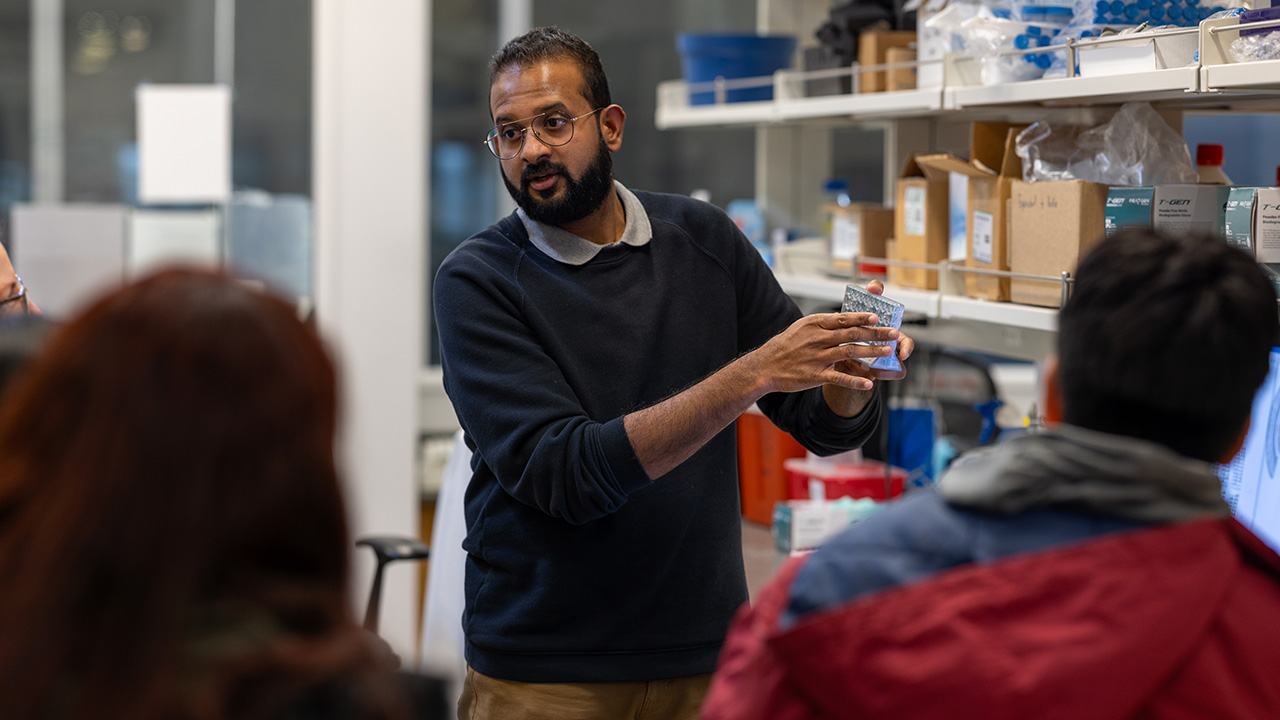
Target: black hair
[(552, 43), (1166, 338)]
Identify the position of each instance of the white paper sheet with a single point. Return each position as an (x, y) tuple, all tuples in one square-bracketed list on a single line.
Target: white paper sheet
[(184, 144)]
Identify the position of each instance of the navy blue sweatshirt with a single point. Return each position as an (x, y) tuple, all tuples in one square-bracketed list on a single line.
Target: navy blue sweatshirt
[(580, 568)]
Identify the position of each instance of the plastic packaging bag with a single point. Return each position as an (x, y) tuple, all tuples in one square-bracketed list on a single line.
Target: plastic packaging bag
[(1136, 147), (1256, 47), (992, 39)]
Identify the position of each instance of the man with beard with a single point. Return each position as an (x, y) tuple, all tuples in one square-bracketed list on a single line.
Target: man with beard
[(597, 345)]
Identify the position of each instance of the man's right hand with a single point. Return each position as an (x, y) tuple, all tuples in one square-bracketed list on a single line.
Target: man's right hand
[(812, 351)]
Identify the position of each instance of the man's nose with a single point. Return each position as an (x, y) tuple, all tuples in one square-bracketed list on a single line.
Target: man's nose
[(534, 149)]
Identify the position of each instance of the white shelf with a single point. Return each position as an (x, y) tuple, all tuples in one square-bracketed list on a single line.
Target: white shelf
[(924, 302), (1154, 85), (1019, 331), (1252, 76), (930, 303), (896, 104), (813, 287), (1214, 79), (1028, 317), (831, 289), (674, 110)]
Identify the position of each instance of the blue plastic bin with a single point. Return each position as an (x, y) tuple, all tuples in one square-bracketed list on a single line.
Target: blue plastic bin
[(704, 57)]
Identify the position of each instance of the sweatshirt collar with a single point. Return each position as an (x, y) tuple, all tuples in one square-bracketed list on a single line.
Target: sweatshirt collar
[(565, 247)]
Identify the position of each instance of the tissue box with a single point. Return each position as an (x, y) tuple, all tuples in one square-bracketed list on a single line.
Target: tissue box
[(802, 525)]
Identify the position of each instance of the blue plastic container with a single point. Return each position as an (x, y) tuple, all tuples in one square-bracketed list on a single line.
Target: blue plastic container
[(705, 57)]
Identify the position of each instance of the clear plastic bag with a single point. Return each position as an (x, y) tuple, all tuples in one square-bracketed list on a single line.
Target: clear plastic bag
[(1249, 48), (1136, 147), (993, 40)]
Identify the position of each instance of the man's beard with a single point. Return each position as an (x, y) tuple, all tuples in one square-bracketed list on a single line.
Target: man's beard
[(580, 198)]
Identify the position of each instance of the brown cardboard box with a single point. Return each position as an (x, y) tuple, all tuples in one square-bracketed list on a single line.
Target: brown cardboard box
[(920, 223), (991, 170), (894, 273), (903, 78), (1051, 226), (859, 229), (872, 48)]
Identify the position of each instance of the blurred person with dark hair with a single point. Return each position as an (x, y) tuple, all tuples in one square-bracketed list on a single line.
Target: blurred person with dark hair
[(1090, 570), (173, 539)]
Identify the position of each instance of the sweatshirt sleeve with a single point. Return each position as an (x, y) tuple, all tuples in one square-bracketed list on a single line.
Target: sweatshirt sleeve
[(764, 310), (515, 404)]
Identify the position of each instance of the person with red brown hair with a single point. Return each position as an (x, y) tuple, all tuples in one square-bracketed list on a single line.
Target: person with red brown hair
[(173, 539)]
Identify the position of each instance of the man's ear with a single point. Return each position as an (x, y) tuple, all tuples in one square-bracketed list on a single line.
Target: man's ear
[(612, 121), (1238, 443), (1051, 399)]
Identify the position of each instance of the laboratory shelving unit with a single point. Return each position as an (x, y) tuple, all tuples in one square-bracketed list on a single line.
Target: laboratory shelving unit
[(911, 119)]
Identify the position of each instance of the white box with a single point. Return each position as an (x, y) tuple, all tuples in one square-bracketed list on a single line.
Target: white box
[(1146, 51), (184, 144), (1266, 226), (68, 255), (1185, 209), (160, 238)]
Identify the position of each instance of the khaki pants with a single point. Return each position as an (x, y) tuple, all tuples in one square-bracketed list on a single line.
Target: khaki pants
[(486, 698)]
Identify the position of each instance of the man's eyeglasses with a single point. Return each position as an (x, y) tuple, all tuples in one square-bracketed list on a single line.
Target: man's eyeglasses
[(553, 128), (16, 304)]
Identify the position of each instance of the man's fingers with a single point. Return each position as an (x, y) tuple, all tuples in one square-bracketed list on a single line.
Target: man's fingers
[(854, 351), (906, 346), (848, 380), (864, 334), (839, 320)]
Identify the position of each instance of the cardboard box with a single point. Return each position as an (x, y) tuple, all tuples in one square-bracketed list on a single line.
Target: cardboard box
[(873, 47), (1127, 207), (859, 229), (1238, 218), (1051, 226), (1266, 226), (894, 273), (902, 78), (1189, 208), (992, 169), (919, 224), (1251, 215)]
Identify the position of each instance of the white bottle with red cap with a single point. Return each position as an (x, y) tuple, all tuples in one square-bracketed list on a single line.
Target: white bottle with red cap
[(1209, 165)]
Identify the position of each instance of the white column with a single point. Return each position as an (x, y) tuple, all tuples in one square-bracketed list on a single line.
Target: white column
[(370, 191), (48, 161)]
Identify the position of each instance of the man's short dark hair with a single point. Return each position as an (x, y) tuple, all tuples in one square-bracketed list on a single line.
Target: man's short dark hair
[(1166, 338), (552, 43)]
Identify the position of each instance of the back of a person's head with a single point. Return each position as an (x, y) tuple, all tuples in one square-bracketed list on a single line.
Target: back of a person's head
[(543, 44), (1166, 338), (171, 524)]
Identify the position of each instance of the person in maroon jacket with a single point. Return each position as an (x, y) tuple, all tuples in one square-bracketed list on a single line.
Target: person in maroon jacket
[(1090, 570)]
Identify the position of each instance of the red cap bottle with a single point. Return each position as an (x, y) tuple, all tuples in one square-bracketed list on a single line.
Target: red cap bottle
[(1208, 155)]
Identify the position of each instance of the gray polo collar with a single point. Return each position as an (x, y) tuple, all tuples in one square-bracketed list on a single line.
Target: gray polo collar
[(565, 247)]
